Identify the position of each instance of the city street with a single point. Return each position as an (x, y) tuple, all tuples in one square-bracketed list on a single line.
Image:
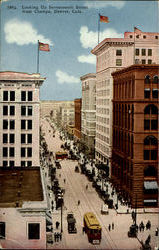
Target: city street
[(75, 189)]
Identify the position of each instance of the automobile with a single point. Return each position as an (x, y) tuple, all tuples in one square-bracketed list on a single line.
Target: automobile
[(104, 209), (58, 165), (71, 223)]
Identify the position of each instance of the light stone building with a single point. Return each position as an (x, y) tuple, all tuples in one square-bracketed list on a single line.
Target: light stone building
[(114, 54), (20, 114), (88, 125)]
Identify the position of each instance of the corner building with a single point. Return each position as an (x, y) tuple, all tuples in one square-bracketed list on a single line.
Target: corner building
[(135, 134), (20, 114), (113, 54)]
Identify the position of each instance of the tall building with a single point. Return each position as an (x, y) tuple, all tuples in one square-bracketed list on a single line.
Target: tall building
[(77, 129), (135, 171), (19, 125), (114, 54), (88, 124)]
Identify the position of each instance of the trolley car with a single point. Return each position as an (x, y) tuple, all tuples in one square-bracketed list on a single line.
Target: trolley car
[(92, 228)]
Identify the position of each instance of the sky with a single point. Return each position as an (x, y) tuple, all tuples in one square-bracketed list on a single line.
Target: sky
[(71, 30)]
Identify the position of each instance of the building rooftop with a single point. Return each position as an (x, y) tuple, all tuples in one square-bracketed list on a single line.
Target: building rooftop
[(20, 184), (17, 76), (89, 75)]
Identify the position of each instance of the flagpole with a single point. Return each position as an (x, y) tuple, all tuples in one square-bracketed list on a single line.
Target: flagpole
[(134, 46), (98, 27), (38, 59)]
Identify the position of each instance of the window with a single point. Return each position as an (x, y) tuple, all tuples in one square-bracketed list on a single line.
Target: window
[(30, 95), (143, 52), (23, 110), (5, 138), (146, 124), (12, 95), (131, 36), (137, 52), (150, 171), (5, 152), (23, 138), (156, 37), (144, 37), (118, 62), (5, 163), (23, 152), (118, 52), (5, 110), (2, 230), (150, 124), (154, 124), (137, 36), (149, 61), (29, 163), (29, 110), (151, 109), (155, 79), (11, 138), (150, 140), (5, 95), (153, 154), (5, 124), (147, 79), (23, 96), (12, 110), (146, 154), (11, 163), (12, 124), (33, 231), (22, 163), (155, 93), (143, 61), (29, 124), (149, 52), (11, 152), (146, 93), (29, 138), (23, 124), (29, 152)]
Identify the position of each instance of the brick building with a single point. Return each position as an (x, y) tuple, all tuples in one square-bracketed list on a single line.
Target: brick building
[(135, 134), (77, 129), (20, 116)]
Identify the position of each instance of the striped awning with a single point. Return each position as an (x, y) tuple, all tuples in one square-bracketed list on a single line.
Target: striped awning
[(150, 185)]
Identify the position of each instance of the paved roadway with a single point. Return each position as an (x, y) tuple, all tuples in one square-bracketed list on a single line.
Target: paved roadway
[(75, 189)]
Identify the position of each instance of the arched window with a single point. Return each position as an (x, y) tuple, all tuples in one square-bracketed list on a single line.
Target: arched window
[(150, 140), (147, 79), (151, 109), (150, 171), (151, 121), (155, 79)]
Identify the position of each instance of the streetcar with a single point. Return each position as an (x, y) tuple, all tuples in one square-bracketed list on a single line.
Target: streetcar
[(92, 228), (61, 155)]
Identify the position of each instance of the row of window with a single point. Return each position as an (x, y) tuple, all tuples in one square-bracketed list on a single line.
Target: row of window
[(154, 79), (10, 110), (10, 138), (143, 52), (10, 95), (148, 94), (10, 152), (12, 163), (10, 124), (144, 36), (33, 231)]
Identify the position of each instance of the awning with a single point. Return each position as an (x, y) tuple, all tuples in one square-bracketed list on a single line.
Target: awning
[(150, 185), (147, 89), (150, 201)]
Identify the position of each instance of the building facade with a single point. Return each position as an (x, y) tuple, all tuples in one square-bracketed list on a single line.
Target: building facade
[(77, 129), (88, 123), (20, 115), (23, 213), (114, 54), (135, 134)]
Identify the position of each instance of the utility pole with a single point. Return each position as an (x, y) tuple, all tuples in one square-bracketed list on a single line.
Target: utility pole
[(61, 218)]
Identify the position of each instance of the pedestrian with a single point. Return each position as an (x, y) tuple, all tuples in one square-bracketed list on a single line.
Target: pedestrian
[(112, 225), (83, 229), (60, 236), (109, 227), (55, 236), (64, 180), (156, 231), (78, 202), (57, 224), (86, 187), (59, 175)]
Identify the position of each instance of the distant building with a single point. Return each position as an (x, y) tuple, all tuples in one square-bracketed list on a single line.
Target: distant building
[(61, 112), (19, 112), (23, 209), (77, 129), (135, 134), (113, 54), (88, 125)]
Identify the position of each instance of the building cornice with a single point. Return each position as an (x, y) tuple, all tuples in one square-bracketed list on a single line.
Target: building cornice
[(87, 76)]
